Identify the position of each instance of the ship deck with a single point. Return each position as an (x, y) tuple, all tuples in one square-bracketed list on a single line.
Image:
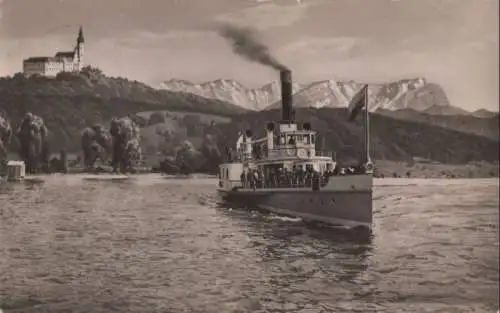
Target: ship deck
[(258, 191)]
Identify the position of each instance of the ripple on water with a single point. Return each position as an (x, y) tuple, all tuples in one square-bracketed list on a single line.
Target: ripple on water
[(157, 245)]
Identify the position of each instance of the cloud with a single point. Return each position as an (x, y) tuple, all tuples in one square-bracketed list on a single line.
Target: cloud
[(483, 45), (335, 47), (267, 15), (152, 40)]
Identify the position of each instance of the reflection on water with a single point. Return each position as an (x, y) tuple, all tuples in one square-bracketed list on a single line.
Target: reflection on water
[(297, 253), (282, 238), (156, 245)]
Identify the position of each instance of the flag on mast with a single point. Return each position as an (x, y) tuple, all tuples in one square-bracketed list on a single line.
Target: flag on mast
[(357, 103), (239, 142)]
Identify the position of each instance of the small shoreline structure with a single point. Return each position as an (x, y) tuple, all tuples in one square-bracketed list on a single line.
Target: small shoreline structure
[(283, 172), (15, 171)]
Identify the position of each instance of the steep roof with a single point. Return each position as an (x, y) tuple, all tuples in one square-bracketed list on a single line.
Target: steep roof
[(39, 59), (65, 54)]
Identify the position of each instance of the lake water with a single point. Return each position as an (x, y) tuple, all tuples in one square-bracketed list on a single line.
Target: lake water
[(158, 245)]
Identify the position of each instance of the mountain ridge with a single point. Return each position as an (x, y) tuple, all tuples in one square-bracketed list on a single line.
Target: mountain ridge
[(416, 93), (485, 113), (230, 90)]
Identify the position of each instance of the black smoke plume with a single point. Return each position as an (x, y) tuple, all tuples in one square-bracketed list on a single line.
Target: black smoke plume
[(246, 44)]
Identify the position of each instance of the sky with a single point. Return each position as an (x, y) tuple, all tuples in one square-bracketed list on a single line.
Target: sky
[(453, 43)]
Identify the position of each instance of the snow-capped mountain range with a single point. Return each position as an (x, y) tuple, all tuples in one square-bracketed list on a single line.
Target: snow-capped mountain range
[(416, 94), (231, 91)]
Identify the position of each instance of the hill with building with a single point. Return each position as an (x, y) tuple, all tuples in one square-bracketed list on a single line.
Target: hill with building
[(62, 61), (179, 121)]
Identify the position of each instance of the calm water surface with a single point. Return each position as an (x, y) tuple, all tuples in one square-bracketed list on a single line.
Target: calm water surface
[(158, 245)]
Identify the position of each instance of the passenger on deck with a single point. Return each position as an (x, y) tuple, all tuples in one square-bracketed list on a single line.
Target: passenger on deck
[(326, 176), (250, 179), (261, 178), (297, 177), (276, 178), (243, 179), (256, 179), (302, 177), (362, 169), (288, 178), (315, 180), (270, 179), (336, 170)]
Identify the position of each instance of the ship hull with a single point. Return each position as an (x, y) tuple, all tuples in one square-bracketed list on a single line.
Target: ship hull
[(351, 208)]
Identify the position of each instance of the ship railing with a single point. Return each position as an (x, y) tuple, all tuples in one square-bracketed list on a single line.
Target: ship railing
[(286, 183), (294, 181), (325, 153), (284, 151)]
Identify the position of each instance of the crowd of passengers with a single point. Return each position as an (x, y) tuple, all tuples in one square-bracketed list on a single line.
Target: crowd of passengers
[(297, 177)]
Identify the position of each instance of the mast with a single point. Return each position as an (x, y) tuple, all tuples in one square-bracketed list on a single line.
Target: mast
[(366, 126)]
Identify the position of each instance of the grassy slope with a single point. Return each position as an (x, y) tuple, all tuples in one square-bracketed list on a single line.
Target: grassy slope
[(482, 126), (392, 139)]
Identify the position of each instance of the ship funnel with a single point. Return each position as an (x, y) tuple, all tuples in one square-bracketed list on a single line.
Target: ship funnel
[(270, 136), (286, 96)]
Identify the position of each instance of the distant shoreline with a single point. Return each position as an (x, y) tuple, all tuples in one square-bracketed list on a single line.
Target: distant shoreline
[(432, 170), (396, 171), (383, 169)]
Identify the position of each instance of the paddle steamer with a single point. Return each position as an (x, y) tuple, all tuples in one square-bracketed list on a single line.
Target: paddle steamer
[(284, 173)]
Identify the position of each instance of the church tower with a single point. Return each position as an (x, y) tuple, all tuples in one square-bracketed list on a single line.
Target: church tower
[(80, 43)]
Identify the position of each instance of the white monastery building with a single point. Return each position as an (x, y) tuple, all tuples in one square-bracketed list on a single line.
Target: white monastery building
[(70, 61)]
